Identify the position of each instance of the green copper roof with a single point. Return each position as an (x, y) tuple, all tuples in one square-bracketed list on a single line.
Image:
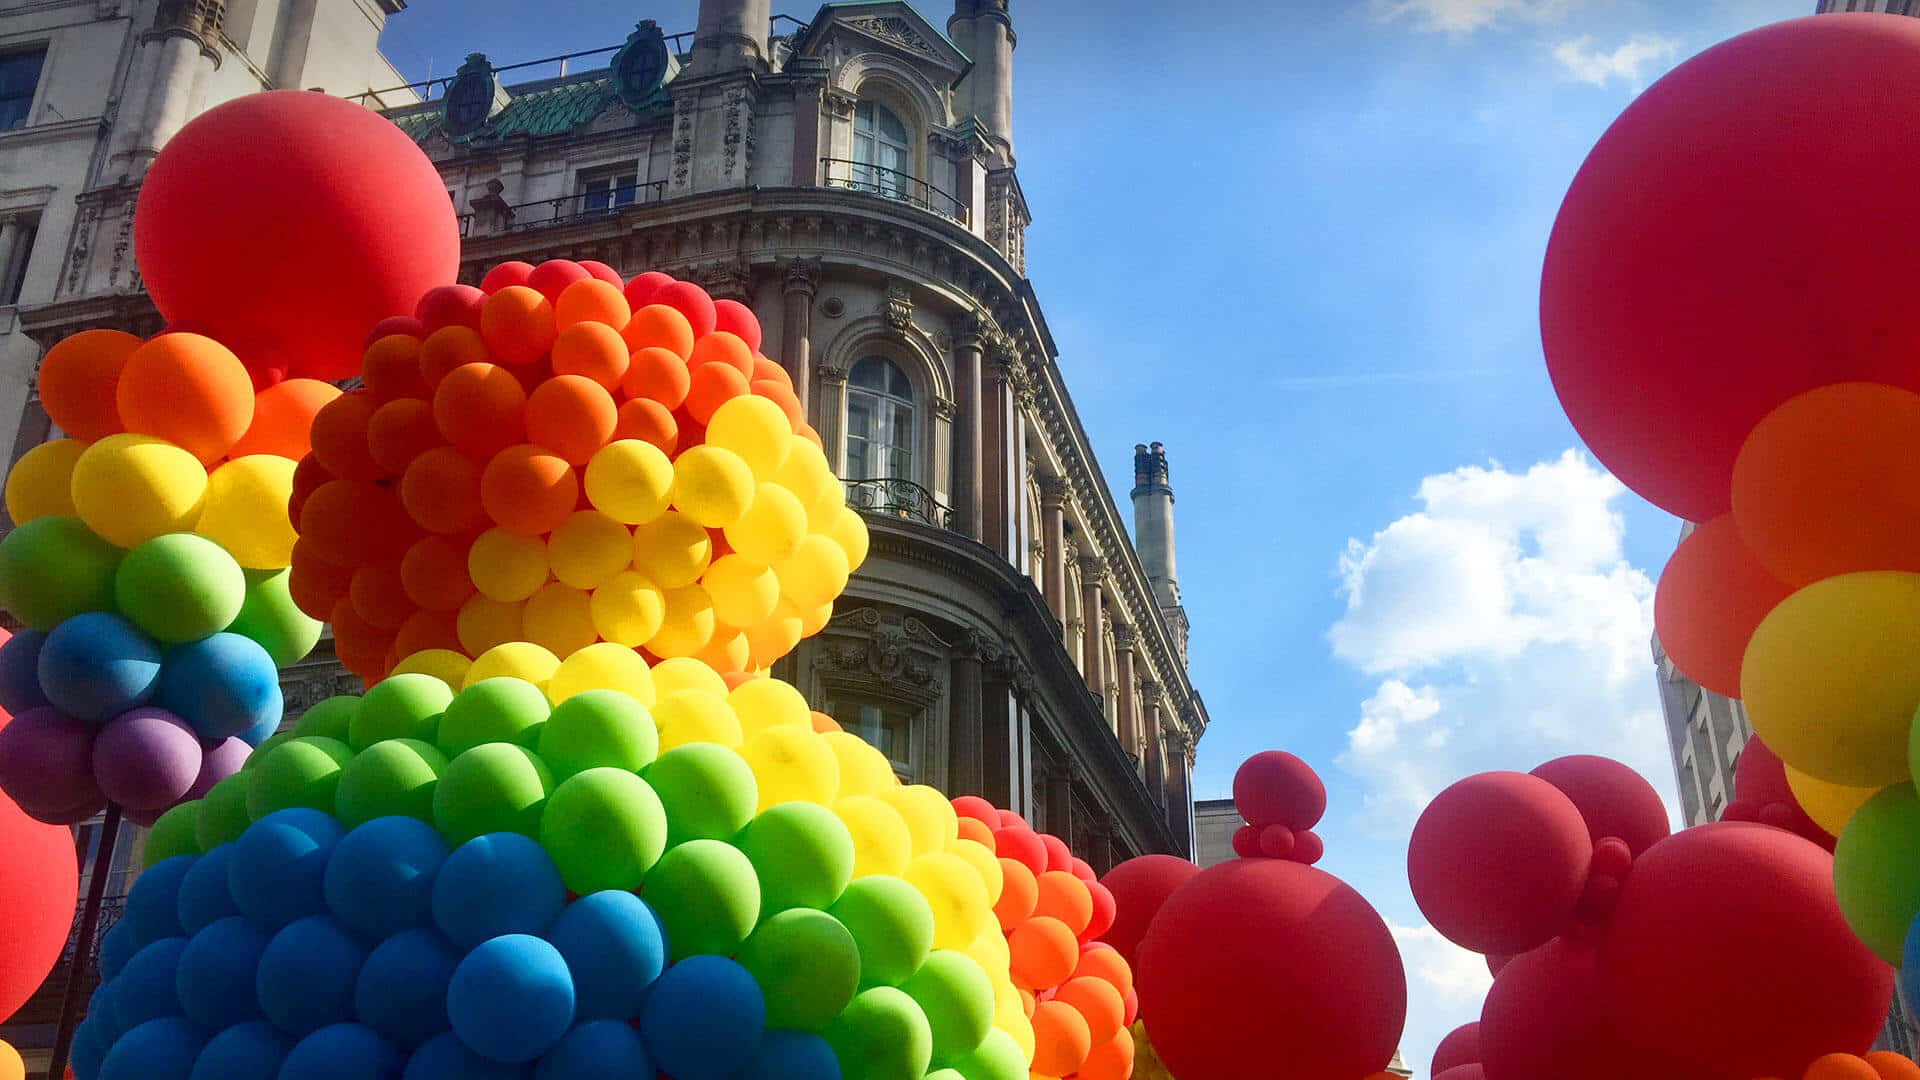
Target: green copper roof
[(548, 107)]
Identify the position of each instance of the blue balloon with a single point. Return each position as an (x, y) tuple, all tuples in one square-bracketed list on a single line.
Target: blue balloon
[(116, 948), (341, 1052), (20, 672), (511, 999), (615, 948), (307, 974), (204, 897), (704, 1019), (89, 1049), (279, 865), (501, 883), (97, 666), (380, 879), (1909, 974), (145, 989), (216, 973), (249, 1051), (153, 904), (402, 989), (222, 685), (262, 731), (162, 1049), (100, 1012), (793, 1055), (445, 1057), (596, 1048)]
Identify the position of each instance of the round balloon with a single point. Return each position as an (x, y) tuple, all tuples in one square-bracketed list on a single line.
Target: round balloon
[(1498, 860), (1612, 799), (38, 893), (1711, 596), (1140, 886)]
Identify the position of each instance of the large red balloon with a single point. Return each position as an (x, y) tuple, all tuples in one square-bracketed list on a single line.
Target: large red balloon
[(1711, 596), (1460, 1047), (1461, 1072), (1264, 967), (1139, 887), (39, 884), (1547, 1016), (1680, 304), (286, 224), (1761, 793), (1727, 947), (1612, 799), (1498, 861)]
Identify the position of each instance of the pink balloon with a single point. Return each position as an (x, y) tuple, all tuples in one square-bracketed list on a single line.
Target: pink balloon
[(1460, 1047), (46, 764)]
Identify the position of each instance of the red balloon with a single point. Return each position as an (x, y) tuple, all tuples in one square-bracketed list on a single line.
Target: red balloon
[(1680, 306), (1760, 793), (450, 305), (690, 300), (1736, 924), (1246, 842), (1462, 1072), (977, 808), (644, 287), (1460, 1047), (1022, 845), (739, 320), (1263, 967), (1276, 788), (1711, 596), (1059, 857), (1547, 1016), (404, 325), (1139, 887), (1104, 909), (286, 250), (552, 277), (38, 892), (1307, 847), (1498, 861), (513, 272), (604, 272), (1612, 799)]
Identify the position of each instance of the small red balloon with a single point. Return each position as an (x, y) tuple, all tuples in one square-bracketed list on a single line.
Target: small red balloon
[(1460, 1047), (1276, 788), (1246, 842), (504, 274), (739, 320), (1023, 846), (450, 305)]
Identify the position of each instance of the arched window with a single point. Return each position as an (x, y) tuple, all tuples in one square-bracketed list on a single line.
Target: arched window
[(882, 153), (879, 421)]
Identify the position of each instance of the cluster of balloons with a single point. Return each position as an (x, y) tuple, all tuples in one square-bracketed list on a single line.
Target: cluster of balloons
[(1262, 965), (149, 563), (1458, 1058), (1618, 949)]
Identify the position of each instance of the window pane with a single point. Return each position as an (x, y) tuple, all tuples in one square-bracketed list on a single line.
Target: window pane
[(19, 78)]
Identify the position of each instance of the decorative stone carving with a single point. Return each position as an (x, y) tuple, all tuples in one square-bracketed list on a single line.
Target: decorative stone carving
[(683, 110), (122, 246), (201, 18), (82, 250), (887, 654), (899, 309), (1053, 489), (737, 142), (1124, 637), (945, 408), (801, 275), (728, 279), (893, 30), (840, 104), (977, 328), (1092, 568), (829, 374)]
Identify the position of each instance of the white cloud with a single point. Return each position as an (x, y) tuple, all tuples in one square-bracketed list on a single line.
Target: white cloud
[(1626, 62), (1445, 985), (1466, 16)]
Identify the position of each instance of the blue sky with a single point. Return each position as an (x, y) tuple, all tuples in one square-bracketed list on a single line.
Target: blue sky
[(1302, 249)]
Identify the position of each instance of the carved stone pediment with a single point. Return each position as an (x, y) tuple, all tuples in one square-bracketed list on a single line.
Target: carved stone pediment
[(884, 654)]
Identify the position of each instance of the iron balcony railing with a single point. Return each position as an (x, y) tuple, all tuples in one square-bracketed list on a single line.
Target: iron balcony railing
[(898, 498), (893, 184), (567, 209)]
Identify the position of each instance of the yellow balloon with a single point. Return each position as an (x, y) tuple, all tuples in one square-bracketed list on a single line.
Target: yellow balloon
[(1830, 806), (814, 620), (630, 481), (604, 665), (815, 574), (756, 429), (712, 486), (826, 506), (444, 664), (515, 660), (588, 549), (672, 551), (12, 1066), (928, 814), (686, 623), (792, 765), (691, 716), (245, 511), (1831, 677), (881, 843), (559, 619), (628, 609), (686, 673), (726, 651), (41, 482), (769, 703), (507, 566), (484, 623), (863, 769), (744, 592), (132, 488), (956, 894), (771, 529), (849, 530), (1012, 1019), (984, 863), (773, 637), (989, 950), (806, 472)]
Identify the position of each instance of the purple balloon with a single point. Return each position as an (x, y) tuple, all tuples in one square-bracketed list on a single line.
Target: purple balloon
[(221, 760), (46, 763), (146, 759)]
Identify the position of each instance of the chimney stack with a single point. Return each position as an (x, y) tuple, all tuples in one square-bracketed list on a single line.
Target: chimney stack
[(984, 31), (731, 35)]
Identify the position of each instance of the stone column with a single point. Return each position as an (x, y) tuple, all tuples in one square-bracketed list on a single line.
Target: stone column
[(1150, 726), (806, 132), (968, 459), (1059, 796), (1053, 531), (830, 417), (1093, 641), (1179, 794), (1126, 721), (966, 718), (999, 721), (1000, 471), (796, 329)]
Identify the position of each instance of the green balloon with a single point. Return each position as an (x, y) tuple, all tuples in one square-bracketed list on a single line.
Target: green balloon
[(882, 1035), (708, 790), (957, 998), (803, 853), (502, 710), (54, 568), (605, 829), (393, 778), (302, 771), (172, 834), (706, 896), (278, 738), (179, 587), (400, 707), (223, 812), (891, 923), (331, 718), (269, 616), (496, 787), (998, 1057), (945, 1074), (807, 965), (598, 728), (1876, 869)]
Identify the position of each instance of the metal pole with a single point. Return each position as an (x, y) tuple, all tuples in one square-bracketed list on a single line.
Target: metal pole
[(83, 944)]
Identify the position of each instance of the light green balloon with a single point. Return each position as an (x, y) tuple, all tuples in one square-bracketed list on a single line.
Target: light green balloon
[(502, 710), (179, 587), (598, 728), (807, 965), (399, 707), (299, 772), (803, 854), (331, 718), (957, 998), (269, 616), (891, 923), (223, 812), (1876, 870), (998, 1057), (172, 834), (496, 787), (706, 896), (393, 778), (882, 1035), (605, 829), (945, 1074), (278, 738), (54, 568), (708, 790)]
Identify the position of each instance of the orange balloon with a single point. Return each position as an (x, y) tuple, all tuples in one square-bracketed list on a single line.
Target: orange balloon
[(592, 300), (283, 418), (355, 635), (765, 370), (725, 654), (1044, 952), (315, 583), (593, 349), (808, 433), (450, 347), (1892, 1066), (189, 390), (1065, 897), (658, 374), (529, 491), (657, 326), (400, 431), (1101, 1005), (484, 623), (333, 519), (721, 347), (441, 491), (1018, 894), (391, 368), (1840, 1066), (1061, 1040), (79, 380), (976, 830), (434, 573), (648, 421), (379, 596), (1829, 483), (572, 415), (481, 409), (1101, 961), (822, 723), (518, 325), (427, 630), (711, 386), (1113, 1060), (340, 440), (784, 397), (1711, 596)]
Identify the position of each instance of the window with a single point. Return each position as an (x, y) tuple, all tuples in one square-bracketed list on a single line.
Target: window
[(885, 728), (879, 421), (19, 79), (13, 264), (609, 188), (882, 154)]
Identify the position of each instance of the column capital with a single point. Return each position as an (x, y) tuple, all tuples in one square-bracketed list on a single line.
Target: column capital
[(1053, 490), (1150, 692), (976, 330), (1093, 570), (800, 275), (831, 374), (1124, 637)]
